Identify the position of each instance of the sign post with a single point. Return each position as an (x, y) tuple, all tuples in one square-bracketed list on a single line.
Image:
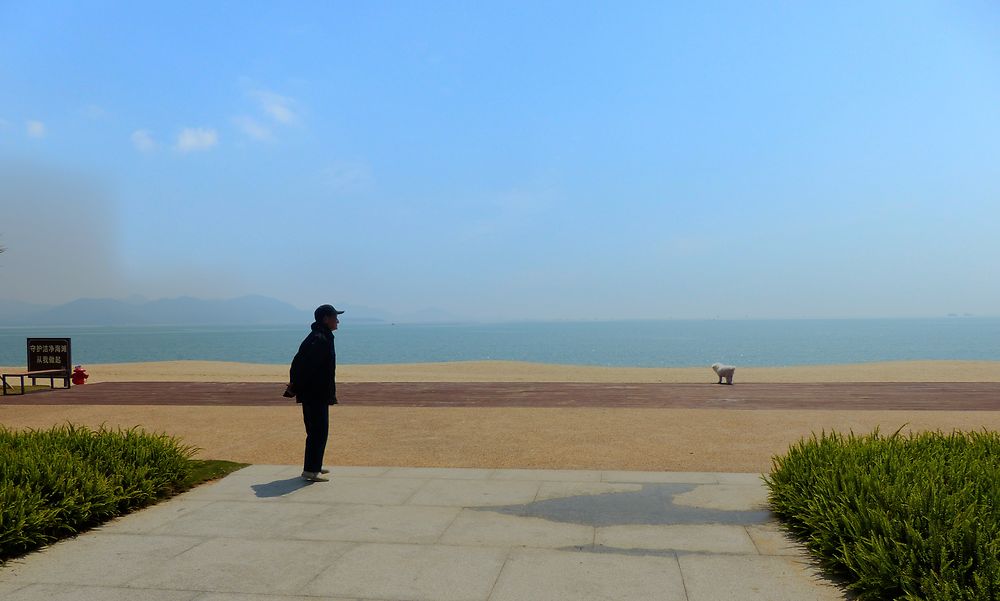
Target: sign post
[(50, 354), (50, 358)]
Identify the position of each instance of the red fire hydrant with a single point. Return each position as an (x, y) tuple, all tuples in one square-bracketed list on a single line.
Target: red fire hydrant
[(79, 376)]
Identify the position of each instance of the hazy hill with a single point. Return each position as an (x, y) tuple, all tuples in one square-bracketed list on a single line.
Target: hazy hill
[(14, 311), (135, 311), (247, 310)]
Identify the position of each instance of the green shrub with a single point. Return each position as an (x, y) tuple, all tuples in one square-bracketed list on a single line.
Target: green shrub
[(58, 482), (899, 517)]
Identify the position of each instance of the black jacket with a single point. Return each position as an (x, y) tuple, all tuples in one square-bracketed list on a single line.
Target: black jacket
[(314, 368)]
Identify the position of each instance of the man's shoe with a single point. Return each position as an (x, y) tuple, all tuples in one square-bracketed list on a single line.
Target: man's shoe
[(323, 470), (314, 477)]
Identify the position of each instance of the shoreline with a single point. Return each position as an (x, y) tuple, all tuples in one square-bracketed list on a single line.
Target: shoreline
[(517, 371)]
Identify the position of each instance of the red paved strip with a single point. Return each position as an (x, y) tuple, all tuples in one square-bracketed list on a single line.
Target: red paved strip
[(909, 396)]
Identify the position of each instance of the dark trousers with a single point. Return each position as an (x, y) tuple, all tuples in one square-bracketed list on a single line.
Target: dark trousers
[(317, 419)]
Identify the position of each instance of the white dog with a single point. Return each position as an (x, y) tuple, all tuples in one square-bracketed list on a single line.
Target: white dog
[(724, 371)]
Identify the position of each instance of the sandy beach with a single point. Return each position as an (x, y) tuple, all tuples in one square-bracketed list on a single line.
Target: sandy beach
[(572, 437), (514, 371)]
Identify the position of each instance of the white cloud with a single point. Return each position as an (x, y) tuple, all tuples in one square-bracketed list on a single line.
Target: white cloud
[(348, 177), (253, 128), (280, 108), (196, 138), (35, 129), (143, 140), (270, 112)]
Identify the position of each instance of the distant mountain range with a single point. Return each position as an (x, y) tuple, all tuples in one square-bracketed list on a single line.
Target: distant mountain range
[(188, 311)]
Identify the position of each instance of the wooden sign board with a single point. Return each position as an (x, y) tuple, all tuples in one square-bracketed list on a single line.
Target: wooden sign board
[(45, 354)]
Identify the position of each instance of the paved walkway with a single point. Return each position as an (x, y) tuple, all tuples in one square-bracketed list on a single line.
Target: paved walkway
[(435, 534), (918, 396)]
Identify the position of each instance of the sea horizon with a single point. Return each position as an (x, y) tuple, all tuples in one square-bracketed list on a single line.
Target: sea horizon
[(768, 342)]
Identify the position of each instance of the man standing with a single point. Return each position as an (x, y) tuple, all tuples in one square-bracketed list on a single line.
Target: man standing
[(312, 378)]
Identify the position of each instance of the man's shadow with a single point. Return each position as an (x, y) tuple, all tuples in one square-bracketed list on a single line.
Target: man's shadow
[(279, 488)]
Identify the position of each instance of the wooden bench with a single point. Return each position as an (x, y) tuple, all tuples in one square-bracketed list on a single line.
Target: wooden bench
[(51, 374)]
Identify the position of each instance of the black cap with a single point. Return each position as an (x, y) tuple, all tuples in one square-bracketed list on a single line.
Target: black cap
[(324, 311)]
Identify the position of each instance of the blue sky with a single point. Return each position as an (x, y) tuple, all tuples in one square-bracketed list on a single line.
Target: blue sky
[(507, 161)]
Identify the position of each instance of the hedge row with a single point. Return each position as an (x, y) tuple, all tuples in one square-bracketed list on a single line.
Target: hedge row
[(898, 517), (58, 482)]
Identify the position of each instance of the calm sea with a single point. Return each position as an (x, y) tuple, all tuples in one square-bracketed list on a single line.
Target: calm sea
[(623, 343)]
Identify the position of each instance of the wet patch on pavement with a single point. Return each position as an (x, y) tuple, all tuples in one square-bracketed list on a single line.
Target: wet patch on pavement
[(653, 505)]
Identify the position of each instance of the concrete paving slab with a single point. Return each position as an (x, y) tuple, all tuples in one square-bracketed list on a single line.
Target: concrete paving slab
[(411, 534), (254, 597), (727, 497), (770, 539), (475, 527), (261, 470), (542, 575), (364, 490), (377, 523), (366, 485), (739, 478), (447, 473), (660, 477), (76, 592), (652, 504), (705, 538), (412, 573), (754, 578), (234, 565), (97, 559), (274, 483), (151, 518), (291, 471), (237, 519), (548, 475), (559, 490), (6, 588), (249, 487), (470, 493), (357, 471)]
